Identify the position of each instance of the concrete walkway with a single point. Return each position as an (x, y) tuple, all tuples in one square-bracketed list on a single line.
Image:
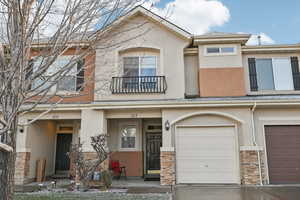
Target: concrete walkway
[(236, 193)]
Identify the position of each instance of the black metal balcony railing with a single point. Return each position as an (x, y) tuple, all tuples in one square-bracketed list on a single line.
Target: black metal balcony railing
[(138, 84)]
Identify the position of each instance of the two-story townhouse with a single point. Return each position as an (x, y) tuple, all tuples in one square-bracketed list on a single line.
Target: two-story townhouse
[(184, 108)]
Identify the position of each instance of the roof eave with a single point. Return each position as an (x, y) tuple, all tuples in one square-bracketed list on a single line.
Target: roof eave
[(242, 39), (169, 25), (271, 49)]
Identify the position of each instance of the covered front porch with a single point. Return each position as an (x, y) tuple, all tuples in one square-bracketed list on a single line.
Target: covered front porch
[(134, 141), (135, 144), (45, 143)]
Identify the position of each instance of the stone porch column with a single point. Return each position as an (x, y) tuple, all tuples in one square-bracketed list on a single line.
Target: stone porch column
[(167, 166), (22, 165), (249, 164), (167, 153)]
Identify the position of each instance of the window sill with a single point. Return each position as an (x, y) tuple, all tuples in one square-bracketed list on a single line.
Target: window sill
[(127, 149), (219, 54), (274, 92), (65, 93)]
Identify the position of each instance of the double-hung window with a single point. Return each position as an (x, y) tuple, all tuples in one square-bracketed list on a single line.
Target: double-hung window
[(69, 79), (128, 137), (139, 72), (274, 74), (140, 66)]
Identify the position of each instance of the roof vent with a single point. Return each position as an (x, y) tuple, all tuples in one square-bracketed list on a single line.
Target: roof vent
[(259, 39)]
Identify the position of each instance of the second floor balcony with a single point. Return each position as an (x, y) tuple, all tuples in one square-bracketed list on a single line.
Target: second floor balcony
[(138, 84)]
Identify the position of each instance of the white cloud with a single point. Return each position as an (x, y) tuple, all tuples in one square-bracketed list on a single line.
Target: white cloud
[(196, 16), (265, 39)]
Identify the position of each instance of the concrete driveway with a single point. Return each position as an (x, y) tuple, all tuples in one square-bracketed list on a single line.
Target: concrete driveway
[(236, 193)]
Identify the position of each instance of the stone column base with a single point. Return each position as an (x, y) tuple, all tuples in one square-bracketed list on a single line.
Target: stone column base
[(250, 174), (167, 166), (92, 156), (89, 156), (22, 167)]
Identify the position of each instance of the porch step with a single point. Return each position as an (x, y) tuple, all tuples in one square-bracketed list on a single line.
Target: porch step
[(152, 177), (61, 175)]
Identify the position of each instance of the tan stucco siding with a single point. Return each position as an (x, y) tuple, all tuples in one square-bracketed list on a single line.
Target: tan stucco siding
[(93, 122), (217, 82), (151, 36), (191, 67), (209, 116), (133, 113), (55, 115), (221, 75), (221, 61), (41, 142), (114, 141)]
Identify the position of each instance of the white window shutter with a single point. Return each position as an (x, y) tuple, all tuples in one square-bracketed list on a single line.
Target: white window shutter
[(282, 71)]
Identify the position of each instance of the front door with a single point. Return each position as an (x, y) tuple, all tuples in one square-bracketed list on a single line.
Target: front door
[(153, 144), (62, 148)]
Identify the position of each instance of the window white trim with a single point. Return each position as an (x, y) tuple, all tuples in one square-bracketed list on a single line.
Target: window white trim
[(72, 73), (282, 73), (220, 50), (140, 58), (67, 125), (277, 76), (128, 124)]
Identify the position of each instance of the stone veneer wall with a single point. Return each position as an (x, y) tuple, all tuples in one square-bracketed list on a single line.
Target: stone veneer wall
[(93, 155), (88, 156), (22, 167), (167, 168), (250, 167)]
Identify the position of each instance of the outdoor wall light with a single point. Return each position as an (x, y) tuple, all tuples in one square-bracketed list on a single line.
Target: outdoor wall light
[(167, 125)]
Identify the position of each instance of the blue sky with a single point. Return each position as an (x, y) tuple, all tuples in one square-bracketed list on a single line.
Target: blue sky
[(277, 20)]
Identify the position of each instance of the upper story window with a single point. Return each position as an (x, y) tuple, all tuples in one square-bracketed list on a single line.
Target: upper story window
[(225, 50), (69, 80), (267, 74), (140, 71), (140, 66)]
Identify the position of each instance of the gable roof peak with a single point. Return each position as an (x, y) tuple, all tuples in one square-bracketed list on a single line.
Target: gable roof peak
[(159, 19)]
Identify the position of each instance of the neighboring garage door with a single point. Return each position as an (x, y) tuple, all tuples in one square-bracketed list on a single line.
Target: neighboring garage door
[(283, 151), (206, 155)]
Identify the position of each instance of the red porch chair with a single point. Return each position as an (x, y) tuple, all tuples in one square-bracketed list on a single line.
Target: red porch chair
[(117, 169)]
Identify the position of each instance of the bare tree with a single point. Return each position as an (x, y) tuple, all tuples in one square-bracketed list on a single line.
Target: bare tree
[(34, 34), (86, 167)]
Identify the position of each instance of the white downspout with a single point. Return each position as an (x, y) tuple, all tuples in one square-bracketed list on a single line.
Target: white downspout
[(255, 143)]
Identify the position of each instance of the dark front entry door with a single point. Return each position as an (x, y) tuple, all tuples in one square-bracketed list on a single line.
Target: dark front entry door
[(153, 144), (62, 148)]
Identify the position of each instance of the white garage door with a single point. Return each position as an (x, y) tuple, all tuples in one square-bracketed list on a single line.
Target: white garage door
[(206, 155)]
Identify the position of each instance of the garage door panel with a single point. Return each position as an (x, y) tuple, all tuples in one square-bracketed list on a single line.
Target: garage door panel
[(205, 177), (206, 152), (283, 150), (206, 155), (204, 139), (205, 145), (203, 167), (281, 164), (215, 163)]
